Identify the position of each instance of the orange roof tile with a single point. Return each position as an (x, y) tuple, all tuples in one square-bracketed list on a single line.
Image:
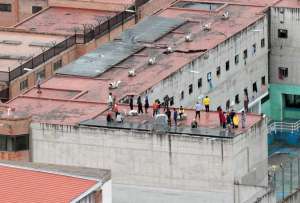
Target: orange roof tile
[(29, 186)]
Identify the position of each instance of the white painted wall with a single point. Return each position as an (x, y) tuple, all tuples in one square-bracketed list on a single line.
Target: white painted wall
[(230, 83), (145, 159), (107, 192)]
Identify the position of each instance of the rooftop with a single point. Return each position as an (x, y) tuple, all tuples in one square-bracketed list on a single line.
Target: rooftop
[(19, 181), (60, 20), (132, 50), (17, 47)]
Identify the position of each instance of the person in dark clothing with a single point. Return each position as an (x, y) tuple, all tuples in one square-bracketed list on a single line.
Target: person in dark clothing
[(131, 102), (194, 124), (140, 105), (231, 115), (168, 113), (246, 103), (146, 104), (166, 102), (109, 117), (175, 115), (39, 86)]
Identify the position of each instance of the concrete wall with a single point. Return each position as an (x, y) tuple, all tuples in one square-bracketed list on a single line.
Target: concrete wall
[(25, 7), (229, 83), (293, 198), (90, 4), (9, 18), (179, 163), (21, 9), (152, 7), (285, 52)]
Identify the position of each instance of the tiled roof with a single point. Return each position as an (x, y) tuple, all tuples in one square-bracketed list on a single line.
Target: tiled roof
[(31, 186)]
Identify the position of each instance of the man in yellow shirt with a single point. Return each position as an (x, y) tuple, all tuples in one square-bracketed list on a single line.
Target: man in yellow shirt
[(206, 102)]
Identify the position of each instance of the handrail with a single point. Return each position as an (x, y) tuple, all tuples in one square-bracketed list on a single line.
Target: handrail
[(284, 126)]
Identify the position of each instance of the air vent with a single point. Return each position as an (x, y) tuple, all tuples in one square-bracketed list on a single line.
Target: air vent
[(14, 57), (11, 42), (188, 37), (169, 50), (225, 15), (114, 85), (207, 27), (41, 44), (131, 73), (152, 61)]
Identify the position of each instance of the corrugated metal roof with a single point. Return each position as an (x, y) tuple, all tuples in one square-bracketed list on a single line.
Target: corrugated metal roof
[(94, 63), (28, 186)]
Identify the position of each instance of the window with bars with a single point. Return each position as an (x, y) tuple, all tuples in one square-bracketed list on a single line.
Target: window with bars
[(5, 7)]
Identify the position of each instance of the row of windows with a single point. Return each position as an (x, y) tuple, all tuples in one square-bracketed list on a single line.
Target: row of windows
[(41, 74), (236, 58), (237, 97), (8, 143), (7, 8)]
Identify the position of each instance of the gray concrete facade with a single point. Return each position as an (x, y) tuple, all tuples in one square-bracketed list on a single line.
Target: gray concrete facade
[(285, 51), (229, 83), (177, 162)]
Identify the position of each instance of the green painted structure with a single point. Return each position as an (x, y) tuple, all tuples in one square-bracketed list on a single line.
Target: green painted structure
[(275, 107)]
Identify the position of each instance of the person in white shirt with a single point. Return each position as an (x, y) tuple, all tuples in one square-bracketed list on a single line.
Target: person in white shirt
[(110, 100), (197, 110)]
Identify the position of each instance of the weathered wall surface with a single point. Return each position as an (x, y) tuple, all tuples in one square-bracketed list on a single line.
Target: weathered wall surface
[(285, 51), (229, 83), (293, 198), (145, 159)]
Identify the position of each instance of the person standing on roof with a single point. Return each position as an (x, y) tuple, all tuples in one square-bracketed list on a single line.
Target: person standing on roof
[(168, 113), (146, 104), (131, 102), (166, 102), (181, 112), (206, 103), (197, 110), (140, 105), (243, 119), (235, 121), (110, 100), (175, 115), (38, 86), (154, 108)]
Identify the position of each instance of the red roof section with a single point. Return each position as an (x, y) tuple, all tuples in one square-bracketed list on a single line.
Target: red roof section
[(28, 186), (69, 100), (62, 20)]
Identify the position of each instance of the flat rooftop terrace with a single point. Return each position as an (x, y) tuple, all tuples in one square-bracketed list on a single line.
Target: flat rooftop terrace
[(17, 47), (70, 107), (60, 20)]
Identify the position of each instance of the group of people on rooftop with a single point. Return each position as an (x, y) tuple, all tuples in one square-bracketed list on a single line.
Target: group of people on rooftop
[(229, 119)]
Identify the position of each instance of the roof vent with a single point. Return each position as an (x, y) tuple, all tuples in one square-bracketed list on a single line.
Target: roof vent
[(169, 50), (131, 73), (152, 60), (225, 15), (207, 27), (11, 42), (188, 37), (114, 85)]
